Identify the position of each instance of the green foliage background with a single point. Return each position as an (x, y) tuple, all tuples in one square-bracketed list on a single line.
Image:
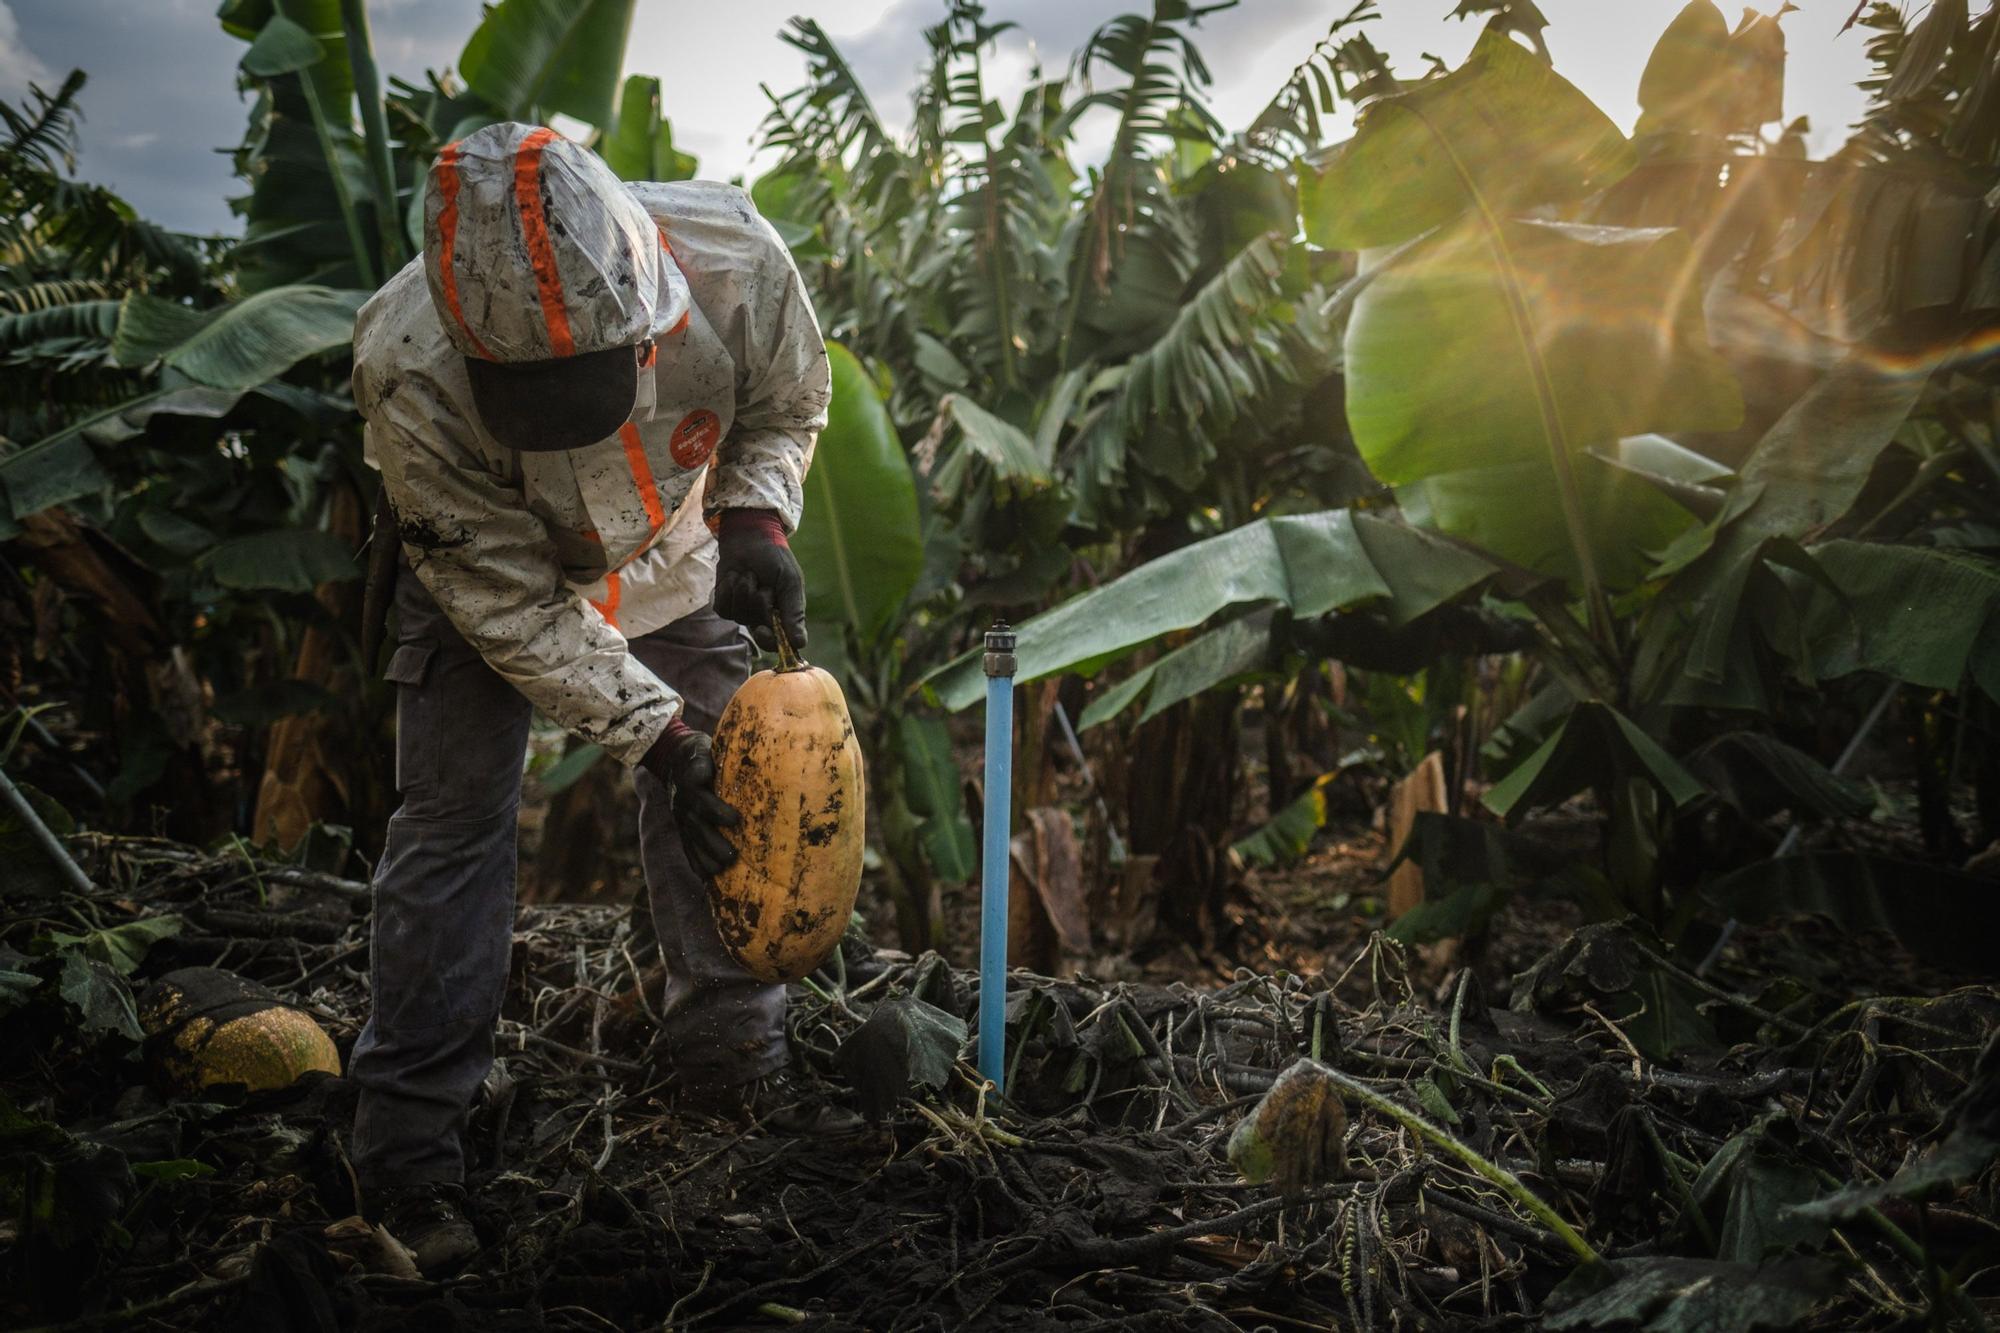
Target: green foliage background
[(1687, 433)]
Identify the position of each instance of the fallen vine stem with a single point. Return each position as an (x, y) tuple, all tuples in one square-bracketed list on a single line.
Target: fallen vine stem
[(1496, 1175)]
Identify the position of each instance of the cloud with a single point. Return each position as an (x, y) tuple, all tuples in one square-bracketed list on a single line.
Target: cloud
[(163, 142), (411, 37), (19, 66), (150, 138)]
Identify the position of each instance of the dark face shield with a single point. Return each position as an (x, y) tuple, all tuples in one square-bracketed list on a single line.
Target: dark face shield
[(565, 403)]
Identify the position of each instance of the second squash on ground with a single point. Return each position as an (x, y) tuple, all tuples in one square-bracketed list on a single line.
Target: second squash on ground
[(206, 1028), (787, 759)]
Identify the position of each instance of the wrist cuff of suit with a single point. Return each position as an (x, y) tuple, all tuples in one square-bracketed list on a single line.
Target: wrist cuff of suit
[(655, 758), (763, 523)]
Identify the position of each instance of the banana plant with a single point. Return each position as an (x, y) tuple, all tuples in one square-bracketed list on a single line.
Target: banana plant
[(311, 214), (861, 544), (1770, 592), (1306, 564), (640, 147), (1509, 342), (331, 194), (1007, 193), (1122, 247), (181, 358), (1537, 386), (69, 253), (861, 212)]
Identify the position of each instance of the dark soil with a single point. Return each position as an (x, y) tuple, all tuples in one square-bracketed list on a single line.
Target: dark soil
[(1098, 1196)]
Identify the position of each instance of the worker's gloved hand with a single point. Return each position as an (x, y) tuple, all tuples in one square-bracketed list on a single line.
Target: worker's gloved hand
[(683, 759), (757, 577)]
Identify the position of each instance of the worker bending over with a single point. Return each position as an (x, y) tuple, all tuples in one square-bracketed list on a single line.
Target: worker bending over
[(593, 405)]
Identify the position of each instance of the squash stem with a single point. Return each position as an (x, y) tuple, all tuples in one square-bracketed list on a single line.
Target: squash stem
[(788, 660)]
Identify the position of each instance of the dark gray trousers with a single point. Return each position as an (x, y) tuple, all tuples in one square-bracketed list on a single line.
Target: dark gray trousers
[(444, 895)]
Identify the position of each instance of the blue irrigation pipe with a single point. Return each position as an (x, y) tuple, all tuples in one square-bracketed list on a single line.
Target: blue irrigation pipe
[(993, 879)]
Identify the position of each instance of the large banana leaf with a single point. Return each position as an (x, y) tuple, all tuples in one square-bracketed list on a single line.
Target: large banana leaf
[(1238, 648), (1677, 88), (641, 146), (1308, 563), (1512, 511), (333, 76), (61, 466), (549, 57), (1502, 132), (858, 543), (57, 331), (31, 481), (1506, 341), (1703, 79), (1810, 466), (285, 560), (241, 345), (309, 184), (283, 47), (1494, 346), (1923, 615), (1806, 472), (1479, 365)]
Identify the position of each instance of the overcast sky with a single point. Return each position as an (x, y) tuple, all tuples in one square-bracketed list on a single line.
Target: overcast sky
[(161, 109)]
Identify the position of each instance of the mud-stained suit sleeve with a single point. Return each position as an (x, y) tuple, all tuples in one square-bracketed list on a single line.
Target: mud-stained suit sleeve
[(490, 563), (783, 382)]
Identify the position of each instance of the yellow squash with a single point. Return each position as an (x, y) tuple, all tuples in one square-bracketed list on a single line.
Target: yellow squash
[(206, 1027), (786, 758)]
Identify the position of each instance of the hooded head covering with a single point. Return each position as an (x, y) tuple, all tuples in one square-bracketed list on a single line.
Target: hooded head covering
[(550, 279)]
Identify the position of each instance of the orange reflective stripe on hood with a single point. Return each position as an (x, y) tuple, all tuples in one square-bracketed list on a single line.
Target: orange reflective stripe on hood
[(448, 241), (535, 230)]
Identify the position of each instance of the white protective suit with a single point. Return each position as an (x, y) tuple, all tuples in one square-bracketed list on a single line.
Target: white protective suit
[(547, 561)]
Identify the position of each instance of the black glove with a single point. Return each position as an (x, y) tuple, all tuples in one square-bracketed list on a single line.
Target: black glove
[(683, 759), (756, 575)]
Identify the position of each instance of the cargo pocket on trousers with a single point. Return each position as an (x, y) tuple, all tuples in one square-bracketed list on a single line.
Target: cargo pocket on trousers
[(417, 744)]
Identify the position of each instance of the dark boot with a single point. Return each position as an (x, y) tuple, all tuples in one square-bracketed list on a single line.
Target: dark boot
[(429, 1219)]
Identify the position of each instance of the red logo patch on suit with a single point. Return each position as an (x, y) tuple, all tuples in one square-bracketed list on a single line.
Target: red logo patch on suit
[(695, 438)]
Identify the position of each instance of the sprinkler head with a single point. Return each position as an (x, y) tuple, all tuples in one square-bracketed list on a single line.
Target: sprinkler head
[(1000, 660)]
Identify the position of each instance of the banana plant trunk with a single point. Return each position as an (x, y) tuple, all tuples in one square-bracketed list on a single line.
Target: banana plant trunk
[(314, 773), (913, 893), (148, 682), (1182, 782)]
